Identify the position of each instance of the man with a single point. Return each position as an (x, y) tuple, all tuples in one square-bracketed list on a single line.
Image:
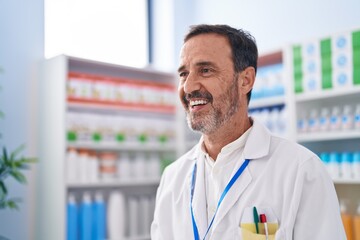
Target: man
[(239, 176)]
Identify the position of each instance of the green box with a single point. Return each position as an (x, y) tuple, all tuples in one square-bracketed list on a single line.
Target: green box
[(298, 68), (326, 63), (298, 82), (326, 80), (356, 39), (297, 52), (356, 66), (325, 46), (356, 76)]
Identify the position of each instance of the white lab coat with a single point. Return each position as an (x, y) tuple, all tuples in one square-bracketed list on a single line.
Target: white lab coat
[(281, 176)]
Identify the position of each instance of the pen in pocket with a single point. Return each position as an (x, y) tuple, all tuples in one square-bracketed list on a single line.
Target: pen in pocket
[(256, 219), (263, 220)]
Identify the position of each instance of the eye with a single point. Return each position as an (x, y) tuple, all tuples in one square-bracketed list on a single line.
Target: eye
[(206, 71), (183, 74)]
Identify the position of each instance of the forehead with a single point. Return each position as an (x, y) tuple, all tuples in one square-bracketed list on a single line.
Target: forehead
[(206, 47)]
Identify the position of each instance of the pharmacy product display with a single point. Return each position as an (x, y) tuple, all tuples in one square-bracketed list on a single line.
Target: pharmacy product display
[(106, 134), (325, 75), (327, 63)]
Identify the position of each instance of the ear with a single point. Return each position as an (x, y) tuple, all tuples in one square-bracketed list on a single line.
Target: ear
[(248, 79)]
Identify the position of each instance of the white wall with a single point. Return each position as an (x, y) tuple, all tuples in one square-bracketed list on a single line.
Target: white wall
[(273, 23), (21, 49)]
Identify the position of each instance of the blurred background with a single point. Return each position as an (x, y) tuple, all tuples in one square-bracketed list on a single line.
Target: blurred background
[(89, 87)]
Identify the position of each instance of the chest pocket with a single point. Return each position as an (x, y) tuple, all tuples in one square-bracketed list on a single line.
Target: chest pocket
[(259, 224)]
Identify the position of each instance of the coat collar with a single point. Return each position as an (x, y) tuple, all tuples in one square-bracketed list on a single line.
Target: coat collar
[(256, 146)]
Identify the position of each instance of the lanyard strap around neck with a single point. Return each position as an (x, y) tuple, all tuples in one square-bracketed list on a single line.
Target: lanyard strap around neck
[(226, 190)]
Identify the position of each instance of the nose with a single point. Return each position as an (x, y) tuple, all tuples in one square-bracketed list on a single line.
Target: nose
[(191, 83)]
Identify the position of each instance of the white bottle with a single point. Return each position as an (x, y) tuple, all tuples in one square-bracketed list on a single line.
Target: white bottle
[(154, 166), (335, 119), (116, 215), (313, 121), (139, 165), (356, 165), (83, 160), (93, 167), (302, 123), (72, 165), (146, 215), (124, 165), (133, 216), (324, 123), (347, 119), (334, 165), (357, 117), (346, 165)]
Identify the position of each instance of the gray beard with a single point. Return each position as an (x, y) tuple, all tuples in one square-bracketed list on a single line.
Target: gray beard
[(214, 119)]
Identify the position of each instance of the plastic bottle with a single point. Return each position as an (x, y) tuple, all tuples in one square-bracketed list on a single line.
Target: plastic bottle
[(93, 167), (357, 117), (83, 160), (356, 165), (108, 166), (334, 165), (335, 119), (72, 165), (86, 217), (133, 216), (347, 220), (72, 218), (347, 119), (116, 216), (123, 169), (99, 218), (144, 203), (357, 223), (139, 165), (346, 165), (324, 123), (302, 123), (154, 166), (325, 158), (313, 121)]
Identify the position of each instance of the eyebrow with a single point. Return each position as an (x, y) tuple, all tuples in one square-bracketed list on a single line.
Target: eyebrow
[(199, 64)]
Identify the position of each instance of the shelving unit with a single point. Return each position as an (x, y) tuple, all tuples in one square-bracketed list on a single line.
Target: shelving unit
[(56, 104), (320, 64)]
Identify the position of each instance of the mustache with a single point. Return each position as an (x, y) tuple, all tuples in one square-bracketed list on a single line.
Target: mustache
[(197, 94)]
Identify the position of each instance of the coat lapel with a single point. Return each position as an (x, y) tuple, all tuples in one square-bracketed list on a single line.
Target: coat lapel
[(233, 195)]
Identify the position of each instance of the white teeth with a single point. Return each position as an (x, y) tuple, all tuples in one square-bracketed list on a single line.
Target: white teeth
[(197, 102)]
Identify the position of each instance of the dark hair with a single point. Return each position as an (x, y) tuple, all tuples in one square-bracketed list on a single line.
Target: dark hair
[(242, 43)]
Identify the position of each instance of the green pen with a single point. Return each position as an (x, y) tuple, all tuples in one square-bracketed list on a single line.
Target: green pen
[(256, 219)]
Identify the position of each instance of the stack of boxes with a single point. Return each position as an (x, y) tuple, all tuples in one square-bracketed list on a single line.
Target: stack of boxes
[(328, 63)]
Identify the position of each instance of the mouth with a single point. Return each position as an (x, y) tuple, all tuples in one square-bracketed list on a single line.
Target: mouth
[(196, 100)]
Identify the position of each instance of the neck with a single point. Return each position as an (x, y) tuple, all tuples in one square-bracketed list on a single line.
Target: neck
[(224, 135)]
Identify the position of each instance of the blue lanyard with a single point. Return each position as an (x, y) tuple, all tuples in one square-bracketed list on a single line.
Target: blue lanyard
[(227, 188)]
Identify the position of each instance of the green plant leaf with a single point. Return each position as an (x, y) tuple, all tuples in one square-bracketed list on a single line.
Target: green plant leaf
[(5, 157), (3, 189), (16, 152), (12, 204), (18, 176)]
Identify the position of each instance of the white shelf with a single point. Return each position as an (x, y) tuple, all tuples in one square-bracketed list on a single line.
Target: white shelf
[(328, 136), (116, 183), (326, 94), (154, 147), (266, 102), (119, 107), (346, 181)]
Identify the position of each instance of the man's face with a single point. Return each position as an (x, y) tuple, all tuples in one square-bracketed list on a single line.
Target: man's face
[(208, 86)]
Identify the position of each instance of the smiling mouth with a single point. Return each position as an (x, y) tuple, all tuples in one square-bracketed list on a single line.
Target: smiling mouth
[(201, 102)]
